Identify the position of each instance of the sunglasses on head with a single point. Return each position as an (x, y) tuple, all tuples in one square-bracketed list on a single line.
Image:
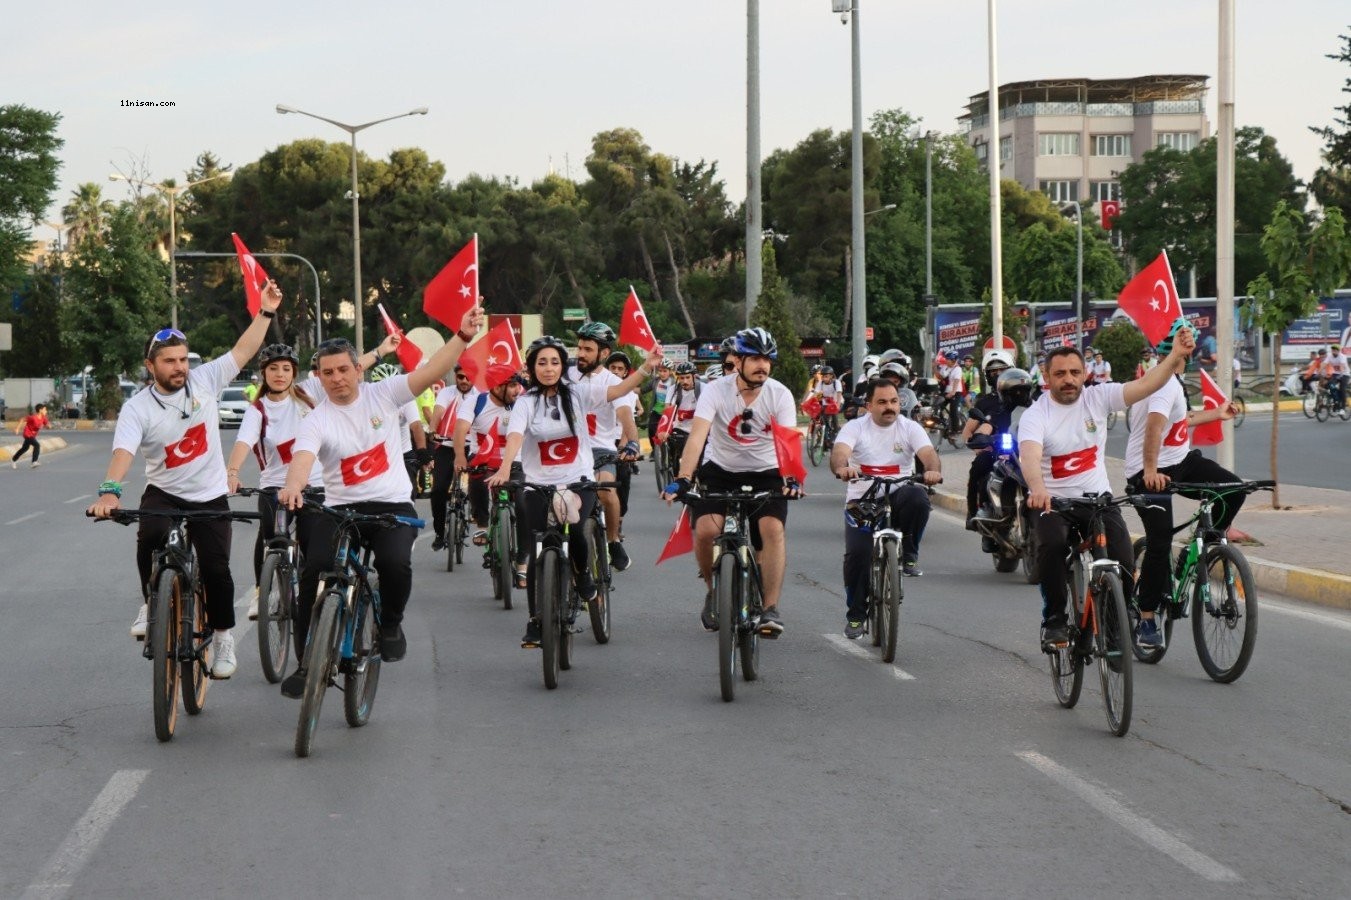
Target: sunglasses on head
[(164, 336), (746, 416)]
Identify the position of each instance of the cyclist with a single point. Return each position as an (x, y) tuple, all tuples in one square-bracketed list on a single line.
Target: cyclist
[(1062, 441), (1156, 454), (727, 355), (883, 442), (1101, 368), (868, 370), (987, 415), (251, 389), (356, 438), (619, 365), (268, 431), (1313, 371), (663, 383), (734, 417), (485, 418), (175, 426), (607, 423), (314, 387), (684, 399), (412, 436), (444, 471), (1335, 371), (547, 430), (956, 390)]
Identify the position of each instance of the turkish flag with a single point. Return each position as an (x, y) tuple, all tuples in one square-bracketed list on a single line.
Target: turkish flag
[(1151, 300), (1068, 465), (1109, 210), (454, 290), (489, 449), (812, 406), (284, 451), (665, 423), (255, 279), (558, 452), (1211, 433), (190, 446), (408, 353), (886, 471), (446, 427), (365, 465), (788, 450), (681, 540), (1177, 435), (633, 325), (495, 359)]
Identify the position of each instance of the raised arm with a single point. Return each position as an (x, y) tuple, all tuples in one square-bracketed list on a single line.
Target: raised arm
[(443, 360), (1174, 363), (251, 341), (636, 377)]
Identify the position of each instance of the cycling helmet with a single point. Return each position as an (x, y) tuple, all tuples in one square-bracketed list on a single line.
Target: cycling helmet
[(539, 344), (1165, 346), (827, 370), (599, 332), (893, 355), (756, 342), (273, 352), (383, 371), (314, 361), (665, 364), (996, 358), (727, 346), (870, 362), (713, 371), (896, 370), (618, 357), (686, 368), (1015, 388)]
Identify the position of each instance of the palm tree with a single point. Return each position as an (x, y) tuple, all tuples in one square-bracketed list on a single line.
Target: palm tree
[(86, 215)]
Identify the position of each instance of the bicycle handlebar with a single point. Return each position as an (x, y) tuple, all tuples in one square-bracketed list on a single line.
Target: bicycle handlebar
[(389, 520), (1221, 487), (127, 516)]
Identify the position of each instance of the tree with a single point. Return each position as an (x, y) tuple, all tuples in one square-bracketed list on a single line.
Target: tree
[(28, 165), (1331, 184), (1302, 266), (772, 313), (1122, 345)]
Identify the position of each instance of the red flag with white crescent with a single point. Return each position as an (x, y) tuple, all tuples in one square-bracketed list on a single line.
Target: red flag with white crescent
[(1150, 299), (494, 359), (255, 279), (788, 450), (681, 540), (192, 445), (665, 423), (365, 465), (558, 452), (489, 449), (446, 427), (454, 290), (408, 352), (633, 325), (1211, 433)]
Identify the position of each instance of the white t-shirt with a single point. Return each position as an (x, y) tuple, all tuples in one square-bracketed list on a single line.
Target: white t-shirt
[(179, 433), (602, 424), (684, 407), (450, 399), (1102, 371), (829, 390), (550, 453), (732, 446), (1073, 439), (480, 441), (1171, 402), (879, 450), (408, 414), (314, 389), (956, 381), (1336, 364), (274, 451), (358, 444)]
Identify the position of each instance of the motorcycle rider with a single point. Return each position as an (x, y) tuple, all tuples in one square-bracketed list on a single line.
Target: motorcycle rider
[(986, 416)]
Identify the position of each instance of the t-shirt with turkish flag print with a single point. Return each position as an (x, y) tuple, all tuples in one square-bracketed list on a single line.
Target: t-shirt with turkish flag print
[(1169, 401), (1073, 439), (550, 452), (451, 399), (738, 442), (277, 444), (684, 403), (179, 433), (487, 430), (602, 422), (359, 444), (881, 450)]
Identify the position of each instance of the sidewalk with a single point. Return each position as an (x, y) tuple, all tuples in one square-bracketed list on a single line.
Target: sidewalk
[(47, 444), (1301, 549)]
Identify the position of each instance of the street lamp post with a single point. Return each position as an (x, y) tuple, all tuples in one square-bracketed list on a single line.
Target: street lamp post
[(930, 301), (1079, 270), (172, 192), (848, 11), (356, 218)]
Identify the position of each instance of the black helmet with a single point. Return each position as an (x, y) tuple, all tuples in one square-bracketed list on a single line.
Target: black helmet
[(273, 352), (755, 342), (727, 346), (539, 344), (618, 357), (599, 332), (827, 370), (1015, 388), (686, 368)]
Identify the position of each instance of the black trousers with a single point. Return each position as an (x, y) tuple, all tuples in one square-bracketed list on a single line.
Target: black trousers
[(209, 537), (910, 508), (981, 466), (532, 516), (1053, 536), (28, 442), (443, 476), (1154, 583)]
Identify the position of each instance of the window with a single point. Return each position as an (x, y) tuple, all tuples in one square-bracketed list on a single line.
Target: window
[(1105, 190), (982, 152), (1111, 145), (1059, 191), (1176, 140), (1005, 149), (1058, 144)]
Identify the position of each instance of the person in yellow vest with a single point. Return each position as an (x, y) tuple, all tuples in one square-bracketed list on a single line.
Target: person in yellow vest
[(251, 389)]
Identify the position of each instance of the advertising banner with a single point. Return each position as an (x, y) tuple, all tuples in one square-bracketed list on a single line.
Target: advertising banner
[(1330, 325)]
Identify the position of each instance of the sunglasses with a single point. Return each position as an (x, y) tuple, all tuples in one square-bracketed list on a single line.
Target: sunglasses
[(554, 410), (164, 336), (746, 416), (728, 367)]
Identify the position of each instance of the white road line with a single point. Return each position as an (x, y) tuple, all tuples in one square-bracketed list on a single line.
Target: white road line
[(1136, 824), (853, 648), (1335, 621), (25, 518), (61, 869), (78, 499)]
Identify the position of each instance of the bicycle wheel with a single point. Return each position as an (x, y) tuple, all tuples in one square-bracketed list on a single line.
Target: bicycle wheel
[(194, 674), (1242, 410), (599, 563), (889, 600), (461, 533), (1111, 644), (1322, 410), (748, 648), (547, 602), (163, 637), (1344, 411), (1310, 404), (1067, 666), (452, 534), (1224, 616), (659, 466), (816, 443), (274, 616), (725, 592), (1147, 655), (1028, 526), (505, 562), (362, 675), (874, 591), (319, 654)]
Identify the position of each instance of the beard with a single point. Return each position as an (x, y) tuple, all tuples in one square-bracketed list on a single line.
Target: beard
[(591, 367)]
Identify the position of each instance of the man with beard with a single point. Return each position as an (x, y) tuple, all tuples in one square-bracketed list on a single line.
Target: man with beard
[(1062, 442), (882, 442)]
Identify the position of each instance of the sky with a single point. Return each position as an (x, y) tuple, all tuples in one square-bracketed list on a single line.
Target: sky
[(516, 87)]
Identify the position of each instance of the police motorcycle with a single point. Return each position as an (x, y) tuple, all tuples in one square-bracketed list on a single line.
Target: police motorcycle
[(1005, 523)]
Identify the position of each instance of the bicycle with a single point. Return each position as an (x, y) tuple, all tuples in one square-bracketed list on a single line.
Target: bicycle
[(178, 636), (1318, 404), (278, 586), (457, 523), (1098, 624), (1225, 629), (556, 608), (873, 510), (661, 466), (344, 626), (499, 555)]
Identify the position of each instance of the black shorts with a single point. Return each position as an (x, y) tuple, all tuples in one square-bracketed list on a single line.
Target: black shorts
[(716, 479)]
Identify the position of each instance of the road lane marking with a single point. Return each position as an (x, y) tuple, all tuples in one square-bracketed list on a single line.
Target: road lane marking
[(65, 864), (853, 648), (25, 518), (1321, 618), (78, 499), (1136, 824)]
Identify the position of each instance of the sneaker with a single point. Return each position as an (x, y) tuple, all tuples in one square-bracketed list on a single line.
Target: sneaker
[(533, 635), (13, 464), (35, 464), (438, 543), (223, 663), (138, 628), (253, 605), (771, 623), (1054, 634), (709, 616), (911, 568), (853, 629), (987, 512), (1147, 635), (293, 685), (619, 558), (393, 645)]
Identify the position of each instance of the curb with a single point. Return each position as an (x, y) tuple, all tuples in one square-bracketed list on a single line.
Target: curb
[(7, 451)]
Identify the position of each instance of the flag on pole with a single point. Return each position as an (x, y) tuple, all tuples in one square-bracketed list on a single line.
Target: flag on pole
[(1211, 433), (633, 325), (681, 540), (255, 279), (493, 360), (408, 353), (788, 450), (1109, 210), (665, 423), (454, 290), (1150, 299)]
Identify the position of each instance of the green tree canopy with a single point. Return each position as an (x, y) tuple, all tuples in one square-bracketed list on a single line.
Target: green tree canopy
[(28, 166)]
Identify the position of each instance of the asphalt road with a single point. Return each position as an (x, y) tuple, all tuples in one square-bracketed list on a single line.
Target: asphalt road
[(952, 773)]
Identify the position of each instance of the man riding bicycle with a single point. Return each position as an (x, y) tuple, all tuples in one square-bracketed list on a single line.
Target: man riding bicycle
[(1335, 370)]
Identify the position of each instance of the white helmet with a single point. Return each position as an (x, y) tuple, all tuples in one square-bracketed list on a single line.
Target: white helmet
[(870, 362), (1005, 357)]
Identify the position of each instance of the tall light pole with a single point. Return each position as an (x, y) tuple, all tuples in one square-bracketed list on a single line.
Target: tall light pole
[(930, 301), (848, 12), (754, 219), (357, 298), (1078, 307), (172, 192), (1224, 224), (996, 199)]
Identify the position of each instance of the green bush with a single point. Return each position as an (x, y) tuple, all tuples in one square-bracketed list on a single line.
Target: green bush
[(1121, 344)]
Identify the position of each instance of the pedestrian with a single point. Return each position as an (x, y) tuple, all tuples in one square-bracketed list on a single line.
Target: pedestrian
[(29, 427)]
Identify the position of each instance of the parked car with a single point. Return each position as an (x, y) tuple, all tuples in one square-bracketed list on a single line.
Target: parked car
[(231, 406)]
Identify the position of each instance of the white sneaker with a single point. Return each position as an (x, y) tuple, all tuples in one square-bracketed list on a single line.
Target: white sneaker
[(13, 464), (35, 465), (223, 655), (139, 626), (253, 605)]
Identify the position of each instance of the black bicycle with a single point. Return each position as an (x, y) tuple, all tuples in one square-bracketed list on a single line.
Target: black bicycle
[(457, 523), (344, 627), (873, 512), (178, 635)]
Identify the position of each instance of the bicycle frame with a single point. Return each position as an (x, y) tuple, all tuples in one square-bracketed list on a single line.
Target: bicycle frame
[(351, 568), (177, 557)]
